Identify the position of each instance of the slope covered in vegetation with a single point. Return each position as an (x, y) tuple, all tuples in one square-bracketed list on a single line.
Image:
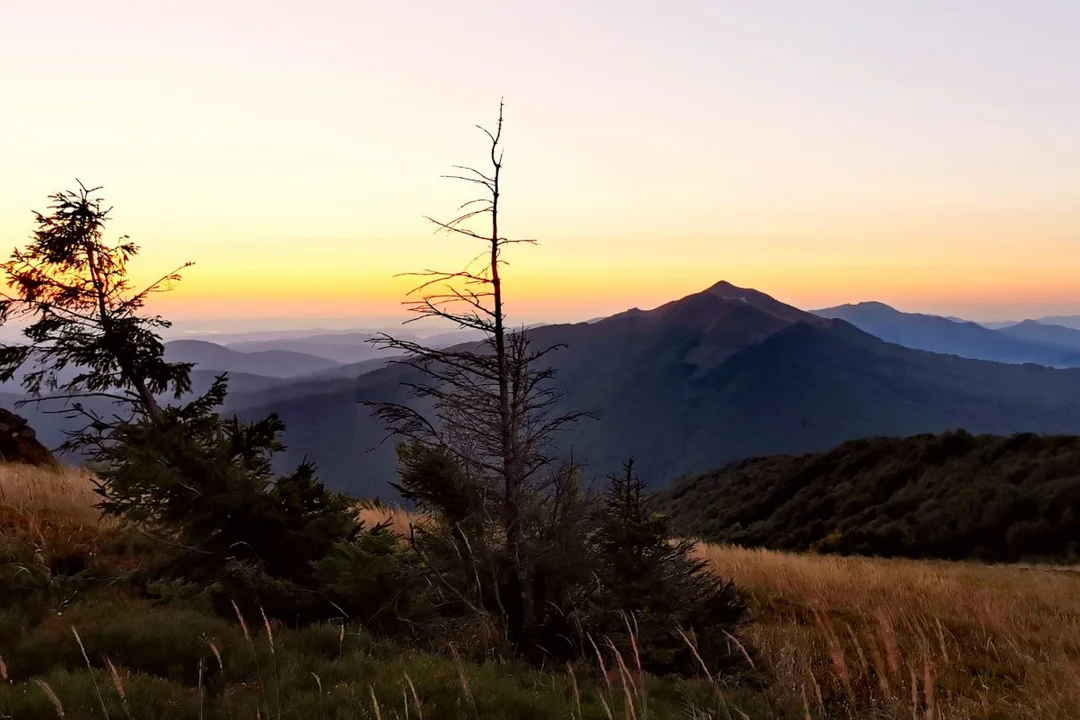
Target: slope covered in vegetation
[(699, 382), (945, 496), (87, 632), (829, 636)]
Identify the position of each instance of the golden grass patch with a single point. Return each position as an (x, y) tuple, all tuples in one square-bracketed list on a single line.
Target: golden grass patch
[(50, 513), (399, 519), (835, 636), (906, 638), (65, 494)]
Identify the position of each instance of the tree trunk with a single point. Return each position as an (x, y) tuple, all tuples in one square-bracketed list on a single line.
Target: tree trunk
[(150, 404), (148, 399), (524, 618)]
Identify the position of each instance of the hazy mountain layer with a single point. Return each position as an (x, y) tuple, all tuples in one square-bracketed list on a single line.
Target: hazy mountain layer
[(720, 375), (269, 363), (1023, 343)]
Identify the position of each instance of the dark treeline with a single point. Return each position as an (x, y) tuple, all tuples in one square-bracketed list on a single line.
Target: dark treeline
[(952, 496)]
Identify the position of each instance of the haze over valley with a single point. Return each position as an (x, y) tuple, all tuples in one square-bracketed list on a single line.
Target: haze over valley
[(720, 375)]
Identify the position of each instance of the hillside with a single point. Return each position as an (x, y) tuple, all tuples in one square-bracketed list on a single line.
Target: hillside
[(51, 425), (1039, 332), (948, 496), (268, 363), (344, 348), (956, 337), (720, 375), (1069, 321)]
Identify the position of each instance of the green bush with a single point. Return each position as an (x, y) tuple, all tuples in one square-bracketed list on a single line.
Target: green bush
[(375, 580), (160, 641), (606, 572), (650, 595), (204, 486)]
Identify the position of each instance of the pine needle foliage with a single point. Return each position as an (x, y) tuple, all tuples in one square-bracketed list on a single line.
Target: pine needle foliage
[(91, 350)]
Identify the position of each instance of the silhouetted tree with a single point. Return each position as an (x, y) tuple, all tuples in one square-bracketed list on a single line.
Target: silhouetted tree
[(183, 474), (87, 334), (493, 402)]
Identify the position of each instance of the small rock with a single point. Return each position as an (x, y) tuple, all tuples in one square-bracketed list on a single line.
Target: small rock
[(19, 443)]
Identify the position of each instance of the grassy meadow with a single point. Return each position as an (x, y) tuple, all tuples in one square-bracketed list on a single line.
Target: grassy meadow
[(828, 636)]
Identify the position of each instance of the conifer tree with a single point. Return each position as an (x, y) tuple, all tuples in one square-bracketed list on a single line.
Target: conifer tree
[(649, 582), (89, 341), (494, 407)]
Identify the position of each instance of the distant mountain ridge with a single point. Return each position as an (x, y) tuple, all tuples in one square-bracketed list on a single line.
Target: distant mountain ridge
[(345, 348), (1044, 333), (1069, 321), (1027, 342), (718, 375), (268, 363)]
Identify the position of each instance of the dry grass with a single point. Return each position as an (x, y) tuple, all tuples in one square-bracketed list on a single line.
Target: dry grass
[(838, 637), (861, 637), (47, 518), (872, 638), (50, 504), (399, 519), (68, 492)]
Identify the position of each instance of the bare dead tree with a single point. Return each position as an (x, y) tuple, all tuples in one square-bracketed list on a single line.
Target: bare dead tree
[(493, 404)]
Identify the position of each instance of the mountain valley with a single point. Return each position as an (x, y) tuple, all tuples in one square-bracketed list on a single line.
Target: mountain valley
[(717, 376)]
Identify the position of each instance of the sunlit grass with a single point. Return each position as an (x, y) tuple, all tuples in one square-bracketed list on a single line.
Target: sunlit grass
[(834, 636), (397, 519), (937, 639), (67, 492)]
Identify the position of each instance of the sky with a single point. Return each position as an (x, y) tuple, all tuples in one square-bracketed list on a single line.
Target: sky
[(921, 153)]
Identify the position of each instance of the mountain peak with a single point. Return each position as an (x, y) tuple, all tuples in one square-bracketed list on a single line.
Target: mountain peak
[(873, 306), (728, 308), (724, 286), (727, 291)]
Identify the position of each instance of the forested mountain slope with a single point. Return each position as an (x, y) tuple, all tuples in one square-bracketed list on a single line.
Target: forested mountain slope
[(724, 374), (952, 496)]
